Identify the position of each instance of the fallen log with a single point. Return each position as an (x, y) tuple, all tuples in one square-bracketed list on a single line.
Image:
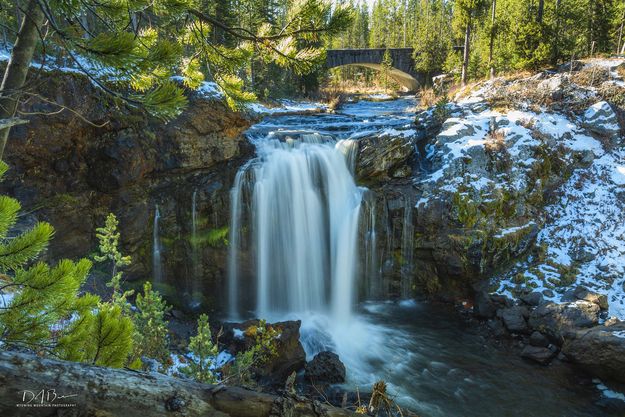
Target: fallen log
[(34, 386)]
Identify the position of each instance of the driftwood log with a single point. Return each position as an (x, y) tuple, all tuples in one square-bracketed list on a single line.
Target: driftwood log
[(33, 386)]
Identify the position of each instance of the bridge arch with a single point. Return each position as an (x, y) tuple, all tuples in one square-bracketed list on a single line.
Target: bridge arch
[(402, 63)]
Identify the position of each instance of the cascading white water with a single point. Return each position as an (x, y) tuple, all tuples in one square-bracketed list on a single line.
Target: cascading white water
[(371, 271), (195, 254), (157, 268), (349, 148), (304, 220), (407, 247), (236, 207)]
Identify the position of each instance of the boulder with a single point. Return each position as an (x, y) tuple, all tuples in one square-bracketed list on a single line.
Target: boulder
[(582, 293), (533, 299), (496, 327), (600, 350), (483, 305), (557, 320), (514, 319), (325, 367), (542, 355), (554, 87), (290, 357), (601, 120), (384, 156), (537, 339)]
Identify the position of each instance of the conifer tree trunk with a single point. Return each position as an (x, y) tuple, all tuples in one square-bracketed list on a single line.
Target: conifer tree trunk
[(492, 40), (466, 54), (556, 40), (17, 68), (541, 11), (620, 32)]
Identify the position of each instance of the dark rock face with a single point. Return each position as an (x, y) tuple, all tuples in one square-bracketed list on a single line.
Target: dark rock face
[(537, 339), (514, 319), (290, 356), (72, 174), (383, 157), (600, 350), (532, 299), (483, 306), (558, 320), (325, 367)]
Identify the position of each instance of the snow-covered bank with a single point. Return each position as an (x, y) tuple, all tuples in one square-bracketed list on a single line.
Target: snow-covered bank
[(534, 139)]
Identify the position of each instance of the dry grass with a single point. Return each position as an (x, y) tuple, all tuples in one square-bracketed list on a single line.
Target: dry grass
[(496, 142), (591, 76), (427, 98)]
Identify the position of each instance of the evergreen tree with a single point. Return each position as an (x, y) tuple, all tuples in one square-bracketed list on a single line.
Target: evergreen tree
[(34, 297), (465, 14), (150, 336), (141, 45), (204, 352), (109, 252), (41, 308), (432, 41), (100, 337)]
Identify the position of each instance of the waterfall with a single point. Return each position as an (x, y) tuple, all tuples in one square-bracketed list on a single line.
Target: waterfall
[(157, 267), (407, 247), (236, 207), (195, 254), (349, 148), (304, 212), (372, 287)]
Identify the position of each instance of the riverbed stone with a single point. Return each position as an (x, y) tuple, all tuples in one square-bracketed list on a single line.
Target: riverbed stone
[(542, 355), (538, 339), (325, 367), (600, 350), (483, 306), (496, 327), (514, 319), (557, 320)]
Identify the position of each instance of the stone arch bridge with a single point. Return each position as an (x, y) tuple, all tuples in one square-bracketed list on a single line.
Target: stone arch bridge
[(402, 63)]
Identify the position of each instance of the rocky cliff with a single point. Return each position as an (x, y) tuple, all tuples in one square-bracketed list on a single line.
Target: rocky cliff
[(484, 187), (512, 195), (71, 173)]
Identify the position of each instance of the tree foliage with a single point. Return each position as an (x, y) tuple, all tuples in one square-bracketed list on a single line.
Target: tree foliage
[(203, 353), (43, 309), (526, 34), (150, 336)]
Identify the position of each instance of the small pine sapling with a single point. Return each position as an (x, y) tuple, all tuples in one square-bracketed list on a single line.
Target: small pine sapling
[(109, 252), (204, 352), (150, 334)]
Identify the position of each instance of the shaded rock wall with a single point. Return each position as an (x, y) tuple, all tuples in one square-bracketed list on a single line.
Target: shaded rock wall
[(72, 173)]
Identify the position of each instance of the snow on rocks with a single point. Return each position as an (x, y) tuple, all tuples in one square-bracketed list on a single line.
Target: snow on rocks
[(601, 119), (486, 151)]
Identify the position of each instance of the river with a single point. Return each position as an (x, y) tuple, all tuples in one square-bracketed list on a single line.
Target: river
[(296, 209)]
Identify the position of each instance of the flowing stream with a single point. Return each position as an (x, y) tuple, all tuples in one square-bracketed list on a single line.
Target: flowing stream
[(157, 266), (295, 212)]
